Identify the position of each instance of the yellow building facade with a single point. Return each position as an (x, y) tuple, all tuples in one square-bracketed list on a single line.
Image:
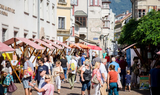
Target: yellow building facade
[(63, 19)]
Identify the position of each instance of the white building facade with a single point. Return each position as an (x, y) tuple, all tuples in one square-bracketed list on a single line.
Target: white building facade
[(19, 18)]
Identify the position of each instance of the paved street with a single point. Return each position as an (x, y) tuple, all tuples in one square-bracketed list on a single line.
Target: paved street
[(77, 90)]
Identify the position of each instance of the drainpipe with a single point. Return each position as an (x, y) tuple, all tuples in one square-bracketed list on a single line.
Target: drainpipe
[(38, 20), (87, 20)]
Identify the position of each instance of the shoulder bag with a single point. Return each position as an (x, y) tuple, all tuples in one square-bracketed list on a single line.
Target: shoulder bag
[(61, 75), (119, 83), (94, 79), (12, 87)]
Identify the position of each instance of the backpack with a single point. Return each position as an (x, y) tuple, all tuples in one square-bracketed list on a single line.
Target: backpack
[(72, 66), (87, 75)]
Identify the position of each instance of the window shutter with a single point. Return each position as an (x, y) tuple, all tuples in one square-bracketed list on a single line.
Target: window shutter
[(59, 22)]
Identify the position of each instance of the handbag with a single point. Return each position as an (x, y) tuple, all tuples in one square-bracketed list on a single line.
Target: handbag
[(119, 83), (94, 79), (61, 75), (12, 87)]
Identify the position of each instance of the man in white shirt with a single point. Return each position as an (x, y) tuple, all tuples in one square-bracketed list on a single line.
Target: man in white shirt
[(72, 73), (103, 71), (42, 80), (47, 64)]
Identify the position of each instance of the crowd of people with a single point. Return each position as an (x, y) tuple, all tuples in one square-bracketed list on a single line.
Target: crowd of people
[(93, 74)]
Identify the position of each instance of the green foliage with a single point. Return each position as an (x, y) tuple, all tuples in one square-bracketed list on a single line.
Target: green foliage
[(126, 36), (144, 31)]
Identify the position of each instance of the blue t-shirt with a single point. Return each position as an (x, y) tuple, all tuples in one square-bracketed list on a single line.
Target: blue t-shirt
[(116, 65), (82, 60), (128, 78), (155, 77), (44, 67), (68, 58)]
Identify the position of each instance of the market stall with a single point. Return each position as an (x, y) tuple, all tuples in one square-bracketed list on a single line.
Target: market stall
[(3, 49), (55, 45), (23, 45)]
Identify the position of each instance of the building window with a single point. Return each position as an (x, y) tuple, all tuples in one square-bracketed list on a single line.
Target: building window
[(76, 2), (25, 35), (35, 7), (53, 14), (141, 12), (26, 6), (107, 24), (34, 36), (61, 0), (61, 23), (15, 34), (94, 2), (4, 34), (48, 12), (41, 9), (83, 21)]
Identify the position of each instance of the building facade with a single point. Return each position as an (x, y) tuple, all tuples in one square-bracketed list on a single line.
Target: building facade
[(19, 18), (141, 7), (63, 19)]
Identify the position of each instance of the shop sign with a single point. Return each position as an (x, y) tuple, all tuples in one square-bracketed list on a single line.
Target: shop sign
[(4, 9), (95, 38)]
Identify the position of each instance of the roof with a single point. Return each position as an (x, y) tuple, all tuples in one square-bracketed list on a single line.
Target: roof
[(125, 17), (74, 44), (5, 48), (44, 43), (80, 13), (55, 45), (26, 41), (61, 44)]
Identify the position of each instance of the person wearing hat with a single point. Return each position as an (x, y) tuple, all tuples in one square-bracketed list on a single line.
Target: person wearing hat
[(42, 79), (7, 80), (72, 71)]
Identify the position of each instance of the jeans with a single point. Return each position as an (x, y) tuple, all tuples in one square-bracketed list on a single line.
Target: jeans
[(71, 78), (123, 74), (86, 85), (65, 72), (113, 87)]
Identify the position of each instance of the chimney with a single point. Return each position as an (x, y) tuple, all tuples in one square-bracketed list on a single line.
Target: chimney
[(127, 12)]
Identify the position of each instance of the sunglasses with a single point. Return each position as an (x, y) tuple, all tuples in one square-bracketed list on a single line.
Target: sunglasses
[(47, 78)]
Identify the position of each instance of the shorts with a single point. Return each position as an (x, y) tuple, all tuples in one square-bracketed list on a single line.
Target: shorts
[(128, 84), (86, 85), (26, 81)]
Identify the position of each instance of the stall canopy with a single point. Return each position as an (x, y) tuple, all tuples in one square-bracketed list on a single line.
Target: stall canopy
[(61, 44), (5, 48), (43, 43), (30, 43), (83, 46), (55, 45), (95, 47), (73, 45), (129, 46)]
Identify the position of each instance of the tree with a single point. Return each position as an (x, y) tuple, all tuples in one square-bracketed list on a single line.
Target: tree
[(144, 31), (148, 30), (127, 32)]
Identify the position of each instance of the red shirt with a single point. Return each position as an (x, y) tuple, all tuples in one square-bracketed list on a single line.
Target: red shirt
[(123, 64), (113, 76), (108, 58)]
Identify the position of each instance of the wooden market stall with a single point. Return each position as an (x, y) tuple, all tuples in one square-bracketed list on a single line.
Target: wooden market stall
[(55, 45), (26, 44)]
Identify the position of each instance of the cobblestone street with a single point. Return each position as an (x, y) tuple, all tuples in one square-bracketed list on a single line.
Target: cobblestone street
[(77, 90)]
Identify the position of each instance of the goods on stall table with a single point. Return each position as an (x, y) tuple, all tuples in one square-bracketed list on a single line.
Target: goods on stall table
[(144, 82)]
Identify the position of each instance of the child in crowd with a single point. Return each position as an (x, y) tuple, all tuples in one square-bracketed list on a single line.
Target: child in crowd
[(128, 80)]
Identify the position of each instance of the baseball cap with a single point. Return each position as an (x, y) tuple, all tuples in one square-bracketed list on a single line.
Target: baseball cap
[(83, 54)]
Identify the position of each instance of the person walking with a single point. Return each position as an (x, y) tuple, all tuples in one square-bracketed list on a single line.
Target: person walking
[(98, 74), (41, 66), (103, 71), (86, 77), (83, 58), (27, 77), (48, 89), (46, 62), (68, 56), (154, 77), (42, 82), (112, 79), (123, 64), (104, 54), (7, 80), (128, 80), (64, 64), (96, 59), (57, 70), (72, 67)]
